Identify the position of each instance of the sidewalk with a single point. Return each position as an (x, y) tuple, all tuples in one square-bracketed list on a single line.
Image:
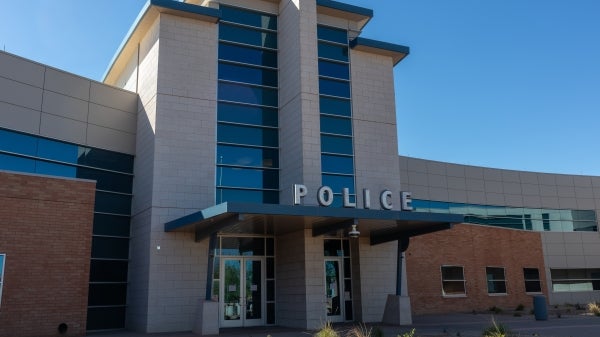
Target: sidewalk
[(463, 325)]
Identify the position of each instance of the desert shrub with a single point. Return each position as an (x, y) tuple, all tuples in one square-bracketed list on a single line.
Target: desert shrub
[(594, 308), (360, 330), (327, 331)]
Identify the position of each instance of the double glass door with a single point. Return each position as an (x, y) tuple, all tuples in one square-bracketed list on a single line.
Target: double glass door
[(242, 296)]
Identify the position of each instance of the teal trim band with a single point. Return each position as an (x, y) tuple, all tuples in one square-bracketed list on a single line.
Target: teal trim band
[(345, 7), (396, 48)]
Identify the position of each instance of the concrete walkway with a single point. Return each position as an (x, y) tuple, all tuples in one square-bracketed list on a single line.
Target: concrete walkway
[(463, 325)]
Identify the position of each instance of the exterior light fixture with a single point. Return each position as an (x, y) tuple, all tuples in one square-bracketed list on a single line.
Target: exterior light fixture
[(354, 233)]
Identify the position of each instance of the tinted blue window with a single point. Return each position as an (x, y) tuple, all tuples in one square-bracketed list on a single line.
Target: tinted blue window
[(18, 164), (265, 197), (107, 181), (334, 88), (60, 151), (105, 159), (237, 134), (17, 143), (99, 318), (52, 169), (334, 52), (249, 18), (335, 106), (247, 178), (112, 225), (107, 294), (247, 55), (246, 114), (247, 94), (108, 271), (333, 69), (114, 203), (247, 156), (337, 125), (247, 74), (110, 248), (337, 183), (337, 164), (247, 36), (332, 34), (335, 144)]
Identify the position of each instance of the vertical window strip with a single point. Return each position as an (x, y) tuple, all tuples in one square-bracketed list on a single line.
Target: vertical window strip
[(261, 32), (334, 80)]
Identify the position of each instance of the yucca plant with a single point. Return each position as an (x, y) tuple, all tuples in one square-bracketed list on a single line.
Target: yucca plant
[(496, 330)]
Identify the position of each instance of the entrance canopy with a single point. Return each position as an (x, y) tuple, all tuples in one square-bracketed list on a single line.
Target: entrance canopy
[(380, 225)]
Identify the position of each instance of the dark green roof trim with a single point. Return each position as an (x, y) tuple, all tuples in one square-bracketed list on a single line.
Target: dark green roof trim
[(346, 7), (311, 211), (396, 51), (185, 7), (396, 48)]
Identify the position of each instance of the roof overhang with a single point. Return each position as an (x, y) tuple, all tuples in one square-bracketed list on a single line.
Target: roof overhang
[(395, 51), (151, 10), (357, 14), (380, 225)]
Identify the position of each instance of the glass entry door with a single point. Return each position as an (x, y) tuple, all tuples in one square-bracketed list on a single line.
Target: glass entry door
[(242, 295), (333, 290)]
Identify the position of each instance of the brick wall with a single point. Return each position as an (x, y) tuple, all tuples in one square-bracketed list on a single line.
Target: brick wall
[(473, 247), (45, 232)]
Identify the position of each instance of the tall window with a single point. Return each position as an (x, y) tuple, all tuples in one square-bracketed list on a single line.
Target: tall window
[(496, 280), (337, 151), (247, 109), (532, 280), (2, 258), (453, 281)]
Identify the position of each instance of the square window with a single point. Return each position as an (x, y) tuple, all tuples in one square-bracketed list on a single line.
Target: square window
[(453, 281), (496, 280), (533, 283)]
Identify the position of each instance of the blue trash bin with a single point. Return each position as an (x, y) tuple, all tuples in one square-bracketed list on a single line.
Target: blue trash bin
[(540, 308)]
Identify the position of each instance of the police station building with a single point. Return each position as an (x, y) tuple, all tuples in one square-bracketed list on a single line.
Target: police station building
[(238, 166)]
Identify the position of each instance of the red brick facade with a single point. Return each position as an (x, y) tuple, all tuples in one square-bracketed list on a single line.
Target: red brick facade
[(474, 248), (46, 233)]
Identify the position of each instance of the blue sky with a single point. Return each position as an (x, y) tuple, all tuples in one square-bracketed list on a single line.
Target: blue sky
[(511, 84)]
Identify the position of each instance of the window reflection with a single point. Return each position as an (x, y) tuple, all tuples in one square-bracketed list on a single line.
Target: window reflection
[(247, 36), (246, 114), (535, 219), (247, 94), (247, 54), (246, 74), (247, 156), (248, 178), (237, 134)]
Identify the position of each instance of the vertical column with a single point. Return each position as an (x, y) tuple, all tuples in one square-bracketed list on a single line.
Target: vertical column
[(300, 145)]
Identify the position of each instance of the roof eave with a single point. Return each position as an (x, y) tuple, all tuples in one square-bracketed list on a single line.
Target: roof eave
[(147, 15)]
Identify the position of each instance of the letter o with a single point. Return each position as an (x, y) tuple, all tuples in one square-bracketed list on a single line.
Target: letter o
[(325, 196)]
